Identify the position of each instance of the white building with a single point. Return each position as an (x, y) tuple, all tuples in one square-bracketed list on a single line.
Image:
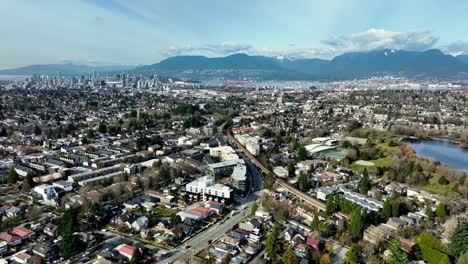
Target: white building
[(47, 192), (64, 185), (281, 172), (251, 143), (205, 189)]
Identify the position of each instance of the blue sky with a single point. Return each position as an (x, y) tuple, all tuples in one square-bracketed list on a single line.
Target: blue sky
[(99, 32)]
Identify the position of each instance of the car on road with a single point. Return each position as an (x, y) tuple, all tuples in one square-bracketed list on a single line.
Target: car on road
[(187, 246)]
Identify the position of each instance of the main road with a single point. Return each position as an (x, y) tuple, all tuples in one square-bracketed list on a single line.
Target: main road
[(201, 240)]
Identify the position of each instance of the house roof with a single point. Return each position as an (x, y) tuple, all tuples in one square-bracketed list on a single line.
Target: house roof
[(21, 231), (126, 250), (312, 242), (8, 237), (5, 207)]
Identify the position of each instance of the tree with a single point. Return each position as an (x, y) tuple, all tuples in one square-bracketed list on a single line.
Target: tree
[(175, 220), (253, 208), (70, 244), (463, 259), (102, 127), (352, 256), (303, 182), (397, 254), (12, 176), (440, 210), (37, 130), (3, 132), (269, 181), (291, 169), (302, 153), (137, 257), (289, 257), (28, 183), (325, 259), (395, 207), (90, 134), (443, 181), (459, 240), (357, 222), (315, 223), (429, 212), (387, 209), (364, 185), (273, 245)]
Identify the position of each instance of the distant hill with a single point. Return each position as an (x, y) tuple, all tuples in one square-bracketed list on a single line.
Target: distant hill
[(64, 69), (419, 64), (430, 63)]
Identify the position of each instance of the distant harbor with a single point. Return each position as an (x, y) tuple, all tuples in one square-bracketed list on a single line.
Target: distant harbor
[(444, 151)]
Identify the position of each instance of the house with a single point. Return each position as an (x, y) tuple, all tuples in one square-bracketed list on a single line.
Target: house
[(3, 247), (289, 234), (14, 212), (64, 185), (51, 230), (216, 206), (310, 241), (23, 233), (177, 232), (4, 208), (48, 252), (132, 205), (140, 223), (323, 192), (12, 240), (22, 257), (253, 225), (126, 250)]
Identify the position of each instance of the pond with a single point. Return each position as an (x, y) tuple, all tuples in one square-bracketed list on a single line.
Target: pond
[(443, 151)]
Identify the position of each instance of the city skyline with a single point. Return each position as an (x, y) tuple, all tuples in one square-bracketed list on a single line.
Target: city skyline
[(122, 32)]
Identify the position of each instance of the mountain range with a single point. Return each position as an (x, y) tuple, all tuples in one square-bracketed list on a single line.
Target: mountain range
[(415, 64)]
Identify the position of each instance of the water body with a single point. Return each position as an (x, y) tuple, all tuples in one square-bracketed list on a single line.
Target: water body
[(441, 150)]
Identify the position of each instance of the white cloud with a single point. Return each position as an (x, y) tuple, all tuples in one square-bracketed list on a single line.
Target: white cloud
[(456, 48), (380, 39), (363, 41), (210, 50)]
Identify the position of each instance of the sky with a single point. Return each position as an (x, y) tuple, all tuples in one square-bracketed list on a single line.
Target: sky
[(131, 32)]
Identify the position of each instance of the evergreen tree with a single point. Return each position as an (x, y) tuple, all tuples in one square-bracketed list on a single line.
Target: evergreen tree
[(303, 182), (273, 245), (386, 210), (429, 212), (90, 134), (253, 208), (357, 222), (440, 210), (70, 244), (12, 176), (28, 183), (137, 257), (395, 207), (302, 153), (289, 257), (459, 239), (37, 130), (364, 184)]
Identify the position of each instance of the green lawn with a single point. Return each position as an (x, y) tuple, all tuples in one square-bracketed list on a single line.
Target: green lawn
[(164, 212), (435, 187), (382, 162)]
